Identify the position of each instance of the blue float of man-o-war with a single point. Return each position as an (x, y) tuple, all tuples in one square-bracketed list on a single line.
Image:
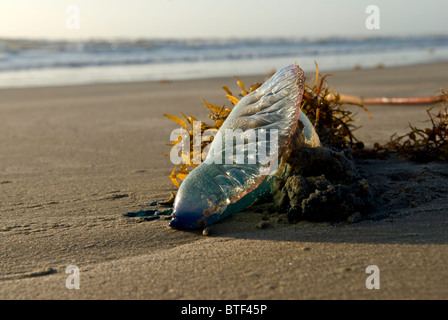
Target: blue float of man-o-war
[(219, 188)]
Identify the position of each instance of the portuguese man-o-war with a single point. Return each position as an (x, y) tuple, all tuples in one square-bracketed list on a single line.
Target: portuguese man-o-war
[(235, 175)]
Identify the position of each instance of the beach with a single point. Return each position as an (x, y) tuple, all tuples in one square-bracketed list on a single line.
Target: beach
[(74, 159)]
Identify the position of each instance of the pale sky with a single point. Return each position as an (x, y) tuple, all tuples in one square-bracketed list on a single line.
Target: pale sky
[(46, 19)]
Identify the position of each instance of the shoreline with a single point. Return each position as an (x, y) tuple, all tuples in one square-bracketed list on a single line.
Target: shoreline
[(162, 79), (76, 158)]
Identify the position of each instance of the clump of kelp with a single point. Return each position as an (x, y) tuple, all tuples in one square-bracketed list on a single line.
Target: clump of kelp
[(422, 145), (334, 123)]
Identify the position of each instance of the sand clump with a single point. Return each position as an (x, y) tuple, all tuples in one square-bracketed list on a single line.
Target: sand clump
[(322, 184)]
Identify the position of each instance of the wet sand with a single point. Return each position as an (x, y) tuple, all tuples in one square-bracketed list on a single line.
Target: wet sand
[(75, 159)]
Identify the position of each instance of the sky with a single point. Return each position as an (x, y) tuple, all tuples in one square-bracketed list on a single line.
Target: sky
[(47, 19)]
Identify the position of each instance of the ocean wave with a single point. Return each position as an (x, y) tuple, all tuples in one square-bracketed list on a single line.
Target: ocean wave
[(22, 54)]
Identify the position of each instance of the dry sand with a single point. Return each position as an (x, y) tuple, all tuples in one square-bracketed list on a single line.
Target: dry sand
[(74, 159)]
